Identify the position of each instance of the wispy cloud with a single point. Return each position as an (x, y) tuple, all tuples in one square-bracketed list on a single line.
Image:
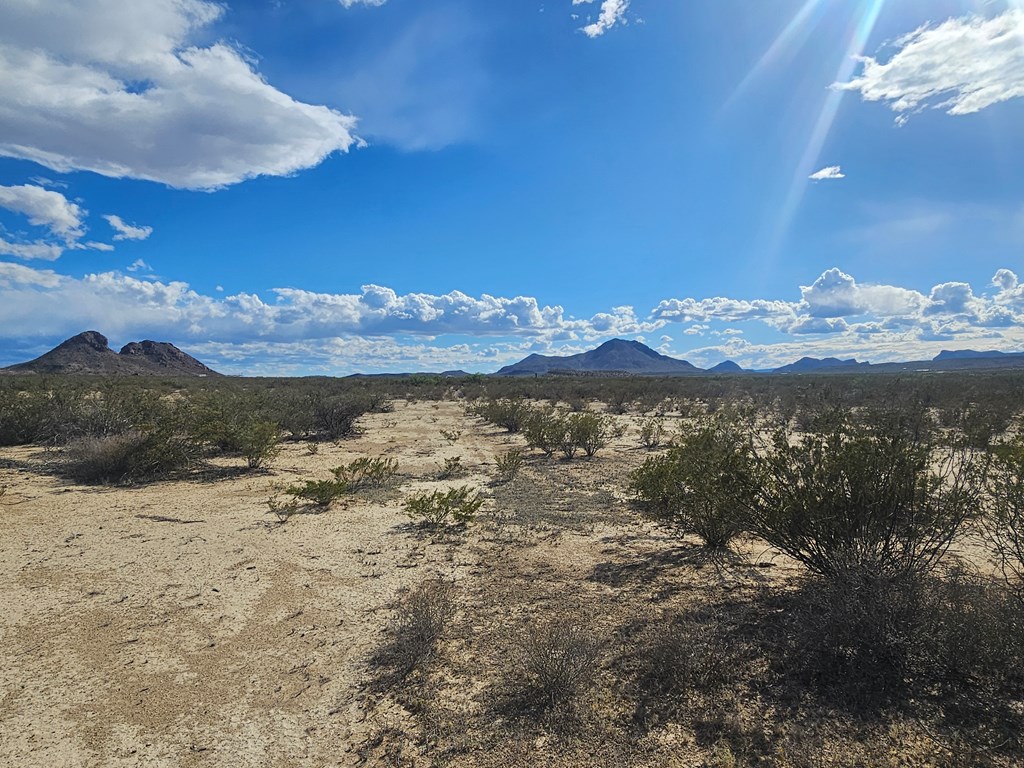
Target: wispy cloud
[(127, 231), (962, 66), (831, 172)]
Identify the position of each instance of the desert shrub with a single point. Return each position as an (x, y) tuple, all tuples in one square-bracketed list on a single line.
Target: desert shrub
[(436, 508), (321, 493), (452, 467), (553, 662), (509, 414), (589, 431), (508, 464), (652, 431), (418, 624), (703, 485), (282, 508), (335, 417), (365, 472), (259, 441), (878, 502), (545, 430), (1005, 507), (130, 457), (451, 435)]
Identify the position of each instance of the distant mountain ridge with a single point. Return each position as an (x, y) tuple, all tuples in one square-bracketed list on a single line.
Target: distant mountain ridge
[(620, 357), (90, 353), (615, 356)]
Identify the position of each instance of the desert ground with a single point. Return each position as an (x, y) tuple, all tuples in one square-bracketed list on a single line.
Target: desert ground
[(181, 623)]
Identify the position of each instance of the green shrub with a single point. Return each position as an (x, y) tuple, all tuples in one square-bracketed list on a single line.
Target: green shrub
[(322, 493), (452, 467), (589, 431), (451, 435), (545, 430), (259, 442), (456, 505), (704, 485), (880, 501), (508, 464), (510, 414), (335, 418), (652, 431), (365, 472)]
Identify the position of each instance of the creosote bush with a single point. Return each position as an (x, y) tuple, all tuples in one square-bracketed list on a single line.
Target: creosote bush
[(130, 457), (508, 464), (452, 467), (879, 501), (366, 472), (321, 493), (436, 508), (703, 485)]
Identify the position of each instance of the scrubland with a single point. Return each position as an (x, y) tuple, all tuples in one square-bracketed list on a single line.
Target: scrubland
[(736, 571)]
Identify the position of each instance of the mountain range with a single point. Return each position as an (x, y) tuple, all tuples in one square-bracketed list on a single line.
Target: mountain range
[(90, 353)]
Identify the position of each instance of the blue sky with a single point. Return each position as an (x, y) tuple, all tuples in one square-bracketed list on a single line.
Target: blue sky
[(336, 186)]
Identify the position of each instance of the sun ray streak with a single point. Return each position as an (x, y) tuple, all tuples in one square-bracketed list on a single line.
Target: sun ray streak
[(867, 13), (798, 27)]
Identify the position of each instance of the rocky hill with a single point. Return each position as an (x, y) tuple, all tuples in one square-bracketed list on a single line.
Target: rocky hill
[(616, 355), (90, 353)]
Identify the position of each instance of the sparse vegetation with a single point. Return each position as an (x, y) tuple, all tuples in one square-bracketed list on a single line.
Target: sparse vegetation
[(321, 493), (366, 472), (451, 467), (508, 464), (436, 508)]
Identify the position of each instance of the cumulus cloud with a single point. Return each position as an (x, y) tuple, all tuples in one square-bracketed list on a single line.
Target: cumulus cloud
[(962, 66), (125, 90), (831, 172), (127, 231), (44, 208), (834, 316), (612, 12)]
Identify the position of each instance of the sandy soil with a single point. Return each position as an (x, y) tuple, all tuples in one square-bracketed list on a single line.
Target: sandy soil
[(181, 624)]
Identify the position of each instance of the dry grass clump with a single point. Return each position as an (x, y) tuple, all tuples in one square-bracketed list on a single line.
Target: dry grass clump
[(419, 622)]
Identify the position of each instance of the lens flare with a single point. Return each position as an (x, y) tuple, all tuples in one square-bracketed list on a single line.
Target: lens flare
[(864, 20)]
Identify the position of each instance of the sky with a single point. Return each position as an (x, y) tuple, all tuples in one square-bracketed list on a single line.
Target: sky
[(341, 186)]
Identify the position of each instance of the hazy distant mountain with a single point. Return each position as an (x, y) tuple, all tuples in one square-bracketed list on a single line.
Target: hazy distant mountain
[(90, 353), (813, 364), (726, 366), (615, 355), (970, 354)]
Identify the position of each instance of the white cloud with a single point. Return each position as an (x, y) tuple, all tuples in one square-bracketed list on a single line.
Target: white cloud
[(831, 172), (835, 316), (123, 89), (612, 12), (139, 266), (962, 65), (351, 3), (45, 208), (127, 231)]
